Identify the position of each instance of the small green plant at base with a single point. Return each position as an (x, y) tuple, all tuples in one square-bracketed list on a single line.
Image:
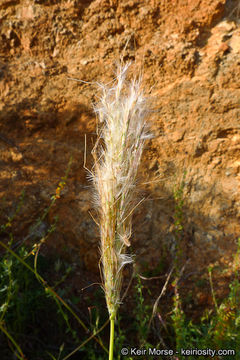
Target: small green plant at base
[(142, 315), (226, 330), (179, 319), (217, 330), (121, 337)]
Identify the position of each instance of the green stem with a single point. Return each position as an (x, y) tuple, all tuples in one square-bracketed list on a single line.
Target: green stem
[(111, 344), (21, 356)]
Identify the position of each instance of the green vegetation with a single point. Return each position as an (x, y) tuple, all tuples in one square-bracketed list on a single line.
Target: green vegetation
[(36, 325)]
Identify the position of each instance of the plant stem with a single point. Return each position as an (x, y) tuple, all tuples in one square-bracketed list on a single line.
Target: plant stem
[(111, 343), (21, 356)]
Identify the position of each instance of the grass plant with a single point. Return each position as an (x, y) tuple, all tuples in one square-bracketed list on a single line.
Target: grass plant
[(117, 154)]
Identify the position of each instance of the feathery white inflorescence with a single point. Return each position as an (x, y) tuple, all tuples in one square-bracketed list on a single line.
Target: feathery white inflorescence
[(117, 154)]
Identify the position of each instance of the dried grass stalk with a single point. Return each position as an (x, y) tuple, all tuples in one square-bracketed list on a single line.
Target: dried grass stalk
[(117, 154)]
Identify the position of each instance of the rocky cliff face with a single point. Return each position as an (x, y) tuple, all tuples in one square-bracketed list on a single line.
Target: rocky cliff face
[(189, 54)]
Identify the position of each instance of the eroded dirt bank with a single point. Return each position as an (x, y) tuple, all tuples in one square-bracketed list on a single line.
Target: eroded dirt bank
[(189, 53)]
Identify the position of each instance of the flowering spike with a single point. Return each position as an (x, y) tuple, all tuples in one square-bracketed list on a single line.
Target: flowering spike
[(117, 155)]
